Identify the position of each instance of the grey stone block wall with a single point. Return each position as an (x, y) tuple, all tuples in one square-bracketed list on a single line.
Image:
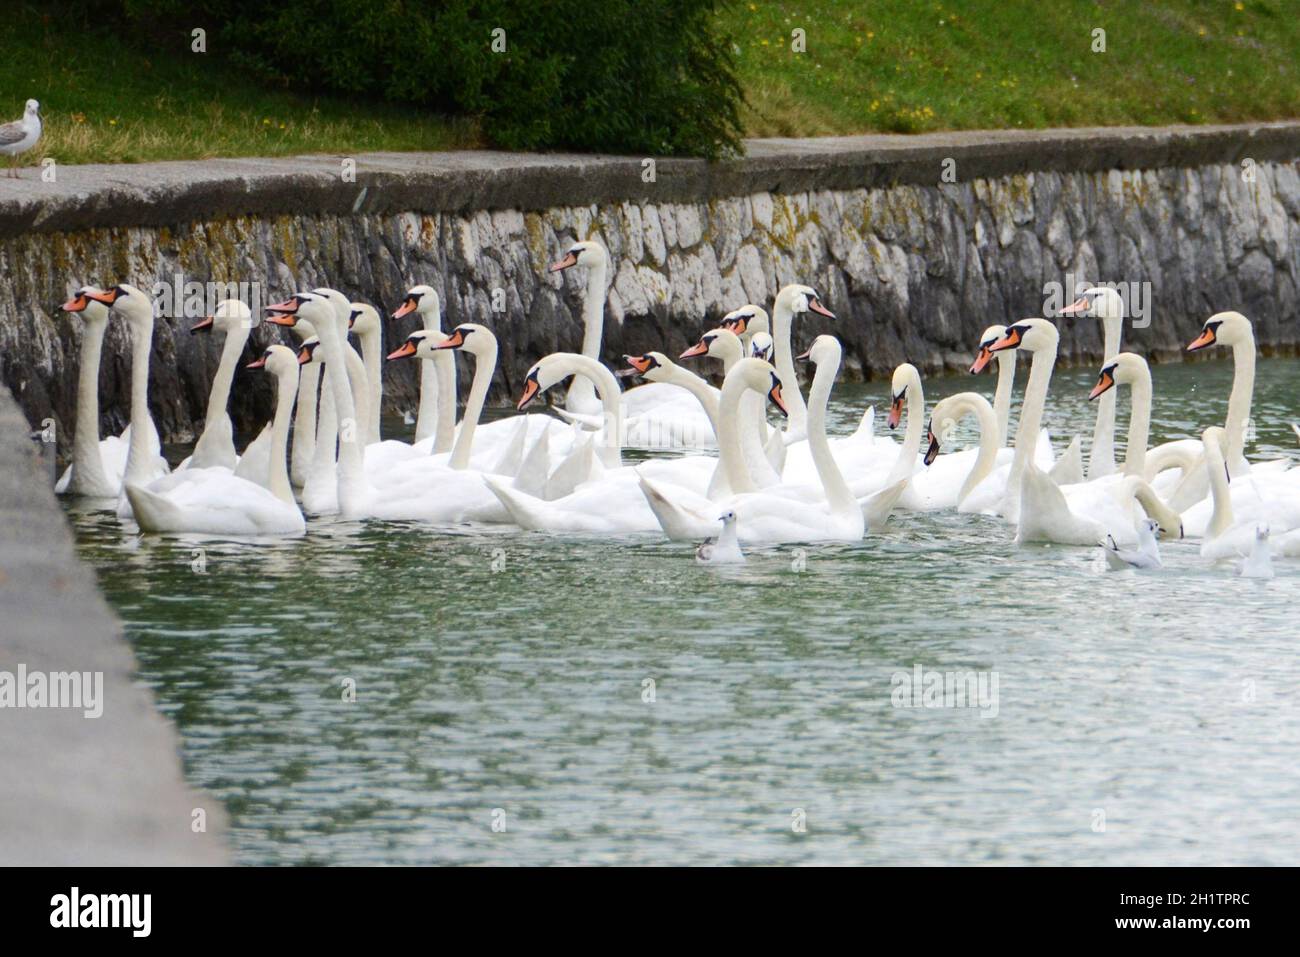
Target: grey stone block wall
[(914, 267)]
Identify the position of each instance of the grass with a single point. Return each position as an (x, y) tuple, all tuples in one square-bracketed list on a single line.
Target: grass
[(103, 101), (915, 65), (869, 65)]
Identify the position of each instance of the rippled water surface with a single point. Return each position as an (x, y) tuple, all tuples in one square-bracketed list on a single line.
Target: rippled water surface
[(503, 677)]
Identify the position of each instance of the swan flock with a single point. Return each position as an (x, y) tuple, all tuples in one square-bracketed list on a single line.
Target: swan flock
[(735, 477)]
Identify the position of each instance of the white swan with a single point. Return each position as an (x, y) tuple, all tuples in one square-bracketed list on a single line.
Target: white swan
[(440, 488), (746, 322), (97, 465), (1103, 303), (612, 503), (436, 417), (214, 501), (725, 549), (793, 300), (328, 311), (143, 461), (947, 413), (764, 448), (1227, 520), (833, 513)]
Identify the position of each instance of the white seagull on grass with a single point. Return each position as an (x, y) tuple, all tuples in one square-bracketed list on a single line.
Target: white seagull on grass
[(19, 136)]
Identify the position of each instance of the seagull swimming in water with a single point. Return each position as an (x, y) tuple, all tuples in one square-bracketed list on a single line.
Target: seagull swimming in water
[(1259, 563), (725, 549), (1146, 555), (19, 136)]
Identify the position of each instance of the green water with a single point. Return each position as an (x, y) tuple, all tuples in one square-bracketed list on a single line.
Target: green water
[(496, 669)]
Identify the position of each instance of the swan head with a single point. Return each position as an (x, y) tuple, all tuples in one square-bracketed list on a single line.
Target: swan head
[(762, 346), (586, 253), (720, 343), (796, 299), (279, 360), (310, 352), (904, 376), (991, 335), (469, 337), (748, 318), (1101, 302), (1028, 334), (654, 366), (364, 319), (761, 377), (947, 412), (417, 343), (1222, 328), (231, 315), (544, 374), (134, 305), (422, 299), (87, 305), (310, 306), (1124, 369), (825, 349)]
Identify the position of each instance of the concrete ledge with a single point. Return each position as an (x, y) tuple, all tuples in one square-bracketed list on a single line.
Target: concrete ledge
[(161, 194), (77, 790)]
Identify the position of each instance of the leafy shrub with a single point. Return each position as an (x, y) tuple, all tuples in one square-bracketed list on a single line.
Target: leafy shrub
[(633, 76)]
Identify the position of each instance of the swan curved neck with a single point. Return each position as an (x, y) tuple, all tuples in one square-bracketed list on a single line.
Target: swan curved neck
[(605, 387), (1002, 397), (782, 319), (986, 458), (1031, 416), (1221, 517), (87, 463), (697, 387), (286, 389), (485, 364), (1137, 488), (838, 495), (905, 464), (351, 475), (231, 350), (1243, 388), (1139, 425), (372, 355), (582, 389), (730, 452), (140, 452), (1101, 458)]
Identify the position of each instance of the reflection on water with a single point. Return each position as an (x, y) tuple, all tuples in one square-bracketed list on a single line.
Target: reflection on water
[(495, 669)]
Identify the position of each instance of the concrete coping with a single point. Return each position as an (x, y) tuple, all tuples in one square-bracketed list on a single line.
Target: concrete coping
[(78, 790), (170, 193)]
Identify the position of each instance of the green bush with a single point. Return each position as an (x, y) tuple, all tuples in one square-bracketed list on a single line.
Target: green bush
[(629, 76)]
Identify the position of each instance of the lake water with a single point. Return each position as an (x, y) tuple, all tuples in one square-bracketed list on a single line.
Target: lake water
[(504, 711)]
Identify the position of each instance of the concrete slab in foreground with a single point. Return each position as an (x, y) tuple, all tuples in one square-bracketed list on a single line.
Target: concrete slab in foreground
[(76, 790)]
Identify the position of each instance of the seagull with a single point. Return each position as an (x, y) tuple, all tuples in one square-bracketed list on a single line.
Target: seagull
[(1146, 555), (1259, 564), (725, 549), (19, 136)]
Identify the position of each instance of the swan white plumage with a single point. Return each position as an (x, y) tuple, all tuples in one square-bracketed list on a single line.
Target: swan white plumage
[(1226, 521), (1006, 360), (97, 465), (216, 445), (213, 500), (792, 300)]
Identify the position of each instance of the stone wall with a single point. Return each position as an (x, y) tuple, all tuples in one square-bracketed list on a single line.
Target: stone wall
[(914, 267)]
